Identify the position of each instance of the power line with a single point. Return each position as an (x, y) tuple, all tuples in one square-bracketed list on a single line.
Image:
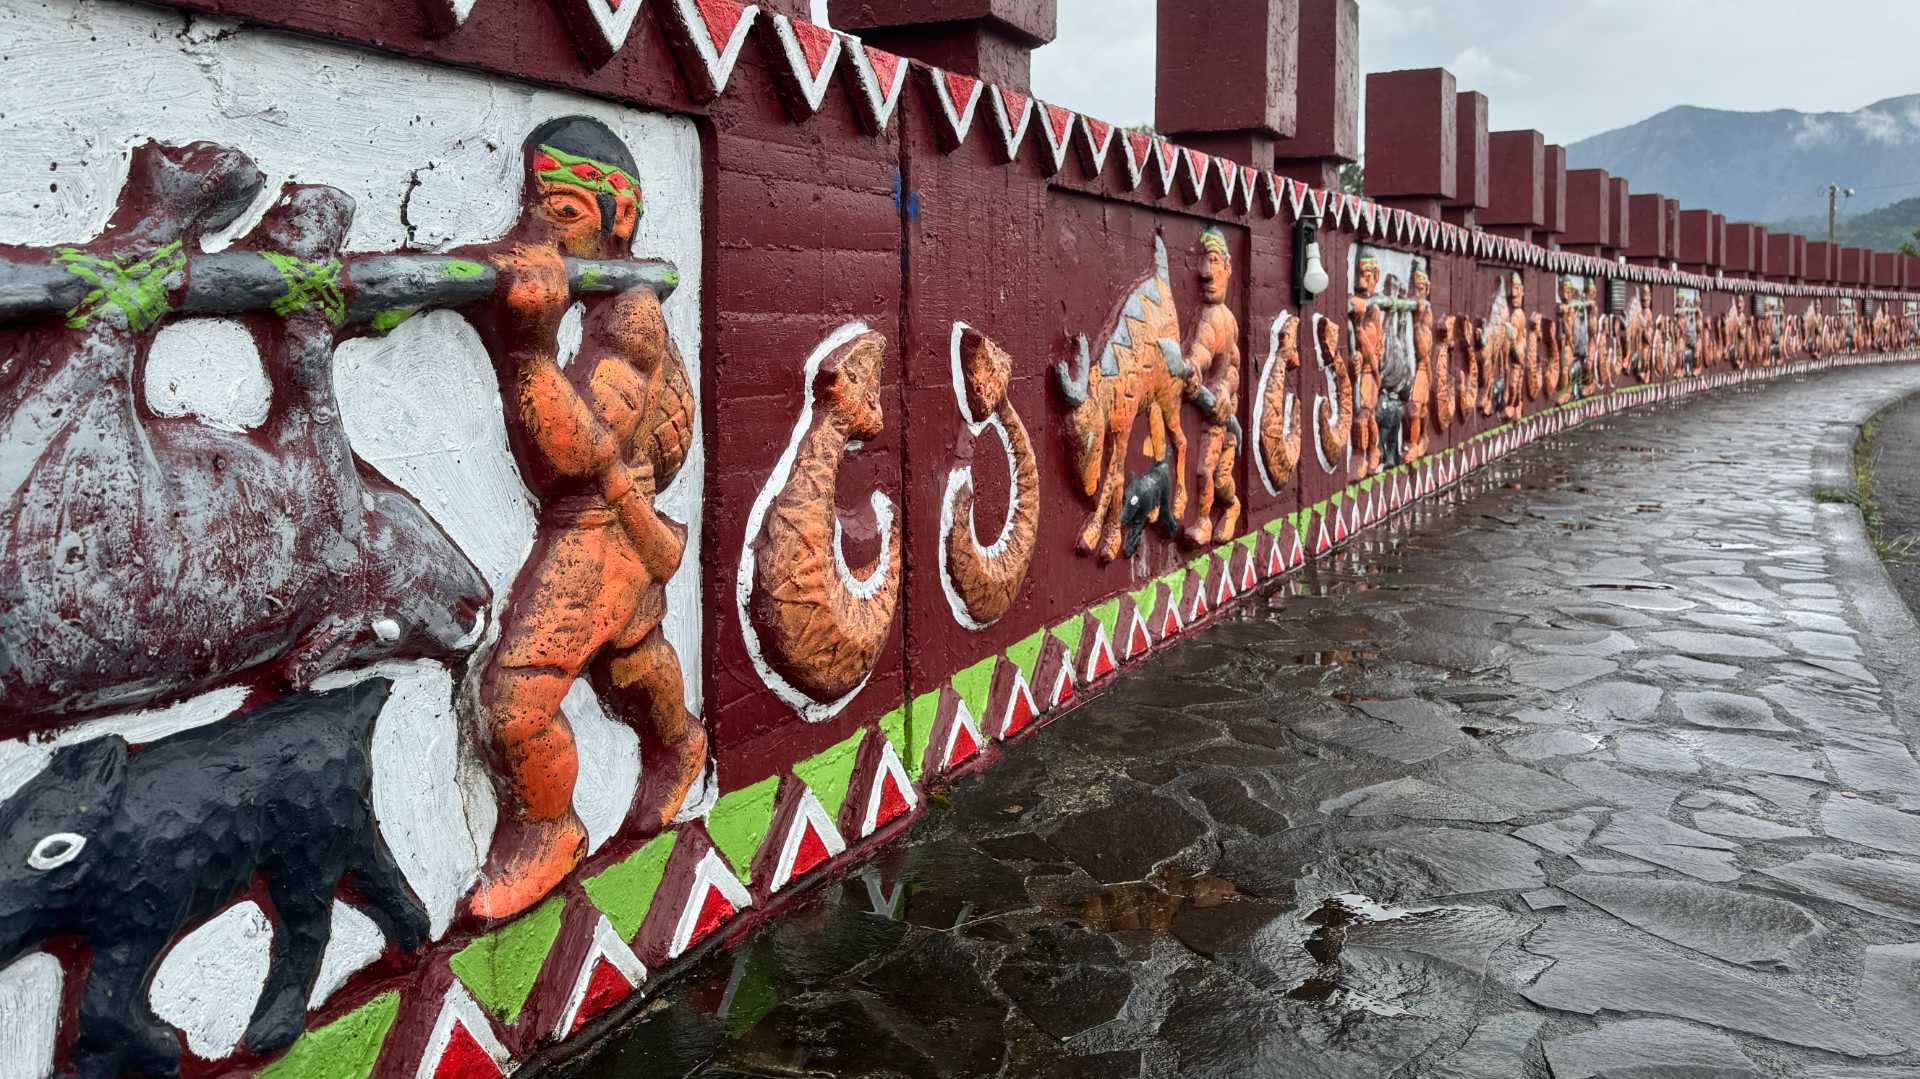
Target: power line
[(1889, 187)]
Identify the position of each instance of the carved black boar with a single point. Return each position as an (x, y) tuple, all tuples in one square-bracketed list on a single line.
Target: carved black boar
[(128, 849), (1149, 498)]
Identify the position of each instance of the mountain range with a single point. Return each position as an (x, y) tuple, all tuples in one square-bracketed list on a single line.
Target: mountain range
[(1767, 166)]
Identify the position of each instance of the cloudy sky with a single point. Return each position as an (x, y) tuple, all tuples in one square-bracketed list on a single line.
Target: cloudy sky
[(1571, 68)]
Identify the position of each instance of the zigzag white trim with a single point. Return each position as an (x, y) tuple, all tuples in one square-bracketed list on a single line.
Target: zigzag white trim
[(717, 58), (606, 945), (813, 84), (710, 873)]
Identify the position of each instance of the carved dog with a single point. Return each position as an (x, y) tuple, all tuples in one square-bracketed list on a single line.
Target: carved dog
[(146, 558), (126, 851), (1149, 498)]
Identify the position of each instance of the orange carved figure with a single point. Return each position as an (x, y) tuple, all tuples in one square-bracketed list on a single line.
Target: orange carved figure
[(1511, 350), (1641, 359), (1421, 393), (596, 440), (986, 579), (1594, 370), (1141, 368), (1368, 324), (821, 623), (1213, 359), (1278, 424), (1572, 342)]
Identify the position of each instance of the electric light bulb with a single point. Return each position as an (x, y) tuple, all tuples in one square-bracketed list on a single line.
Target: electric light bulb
[(1315, 279)]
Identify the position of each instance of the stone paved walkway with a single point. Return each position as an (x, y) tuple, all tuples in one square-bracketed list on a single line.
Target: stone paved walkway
[(1602, 762)]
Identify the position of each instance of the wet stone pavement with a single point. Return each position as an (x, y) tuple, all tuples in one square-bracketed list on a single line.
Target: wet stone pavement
[(1599, 766)]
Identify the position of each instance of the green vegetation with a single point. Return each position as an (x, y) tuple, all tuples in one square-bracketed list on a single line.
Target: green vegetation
[(1892, 549), (1890, 228)]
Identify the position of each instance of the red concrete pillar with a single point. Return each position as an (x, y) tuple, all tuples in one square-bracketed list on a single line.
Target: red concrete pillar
[(1739, 255), (1780, 265), (1800, 258), (1696, 240), (1556, 196), (1226, 76), (1852, 265), (1589, 218), (1648, 244), (1412, 138), (1886, 270), (1672, 253), (1760, 251), (1470, 188), (1821, 265), (1619, 216), (988, 39), (1326, 129), (1519, 184), (1717, 238)]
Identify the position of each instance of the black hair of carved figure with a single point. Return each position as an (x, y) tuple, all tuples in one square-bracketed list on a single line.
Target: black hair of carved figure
[(127, 850), (1145, 493)]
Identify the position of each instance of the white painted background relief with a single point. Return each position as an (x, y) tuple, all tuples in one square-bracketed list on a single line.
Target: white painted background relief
[(431, 157)]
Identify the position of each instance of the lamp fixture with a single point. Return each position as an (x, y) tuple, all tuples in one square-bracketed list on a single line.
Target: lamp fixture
[(1309, 272)]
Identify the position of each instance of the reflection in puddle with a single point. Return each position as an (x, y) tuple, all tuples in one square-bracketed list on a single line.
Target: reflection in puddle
[(1337, 917), (1149, 905), (1336, 658)]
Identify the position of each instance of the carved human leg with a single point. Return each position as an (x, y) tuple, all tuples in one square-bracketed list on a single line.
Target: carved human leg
[(579, 589), (648, 693)]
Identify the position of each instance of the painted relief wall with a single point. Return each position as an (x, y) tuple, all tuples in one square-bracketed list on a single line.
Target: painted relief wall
[(175, 471), (469, 546)]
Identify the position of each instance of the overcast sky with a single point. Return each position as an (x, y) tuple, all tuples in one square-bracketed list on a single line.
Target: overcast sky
[(1571, 68)]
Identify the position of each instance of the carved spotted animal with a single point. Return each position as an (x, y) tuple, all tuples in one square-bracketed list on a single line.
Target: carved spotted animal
[(1140, 369)]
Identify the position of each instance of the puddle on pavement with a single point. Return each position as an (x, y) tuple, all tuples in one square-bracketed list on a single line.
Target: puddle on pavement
[(1330, 659), (1145, 905), (1338, 916)]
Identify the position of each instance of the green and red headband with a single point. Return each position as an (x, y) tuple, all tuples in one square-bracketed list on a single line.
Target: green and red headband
[(559, 167)]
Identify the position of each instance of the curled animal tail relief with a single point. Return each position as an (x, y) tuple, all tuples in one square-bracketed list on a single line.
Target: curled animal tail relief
[(818, 624), (985, 580), (1530, 345), (1468, 396), (1332, 413), (1277, 423), (1443, 384)]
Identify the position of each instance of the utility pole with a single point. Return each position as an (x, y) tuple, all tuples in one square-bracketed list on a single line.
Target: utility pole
[(1834, 194)]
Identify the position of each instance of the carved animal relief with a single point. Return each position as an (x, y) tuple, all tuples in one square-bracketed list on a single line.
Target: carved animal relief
[(1140, 369), (153, 557), (1276, 411), (982, 580), (818, 623)]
